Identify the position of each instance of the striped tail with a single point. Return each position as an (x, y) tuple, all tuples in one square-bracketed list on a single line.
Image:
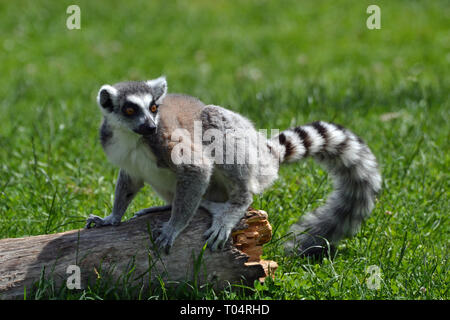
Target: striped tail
[(356, 181)]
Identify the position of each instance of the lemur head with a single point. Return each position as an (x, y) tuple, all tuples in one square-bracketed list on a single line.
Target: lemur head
[(133, 105)]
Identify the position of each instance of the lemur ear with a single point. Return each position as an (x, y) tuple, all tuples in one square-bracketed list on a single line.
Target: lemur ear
[(159, 88), (106, 95)]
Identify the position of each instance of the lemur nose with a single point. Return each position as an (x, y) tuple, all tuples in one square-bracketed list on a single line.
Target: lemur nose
[(146, 129)]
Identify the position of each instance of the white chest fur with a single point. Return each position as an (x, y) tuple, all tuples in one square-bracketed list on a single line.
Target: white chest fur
[(127, 151)]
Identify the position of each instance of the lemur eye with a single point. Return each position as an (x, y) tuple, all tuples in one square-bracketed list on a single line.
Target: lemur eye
[(130, 108), (153, 108), (130, 111)]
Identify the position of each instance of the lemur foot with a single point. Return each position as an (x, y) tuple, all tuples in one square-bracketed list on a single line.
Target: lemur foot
[(100, 222), (165, 237), (217, 236)]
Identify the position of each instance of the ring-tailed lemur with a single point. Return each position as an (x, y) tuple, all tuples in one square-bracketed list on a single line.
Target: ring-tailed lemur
[(137, 134)]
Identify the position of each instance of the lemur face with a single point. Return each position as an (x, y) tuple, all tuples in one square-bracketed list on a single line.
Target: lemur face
[(133, 105)]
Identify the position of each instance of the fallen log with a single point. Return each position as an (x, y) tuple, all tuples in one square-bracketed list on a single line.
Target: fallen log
[(117, 250)]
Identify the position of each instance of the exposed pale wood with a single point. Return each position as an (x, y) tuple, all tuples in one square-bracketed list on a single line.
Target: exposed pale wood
[(111, 250), (249, 236)]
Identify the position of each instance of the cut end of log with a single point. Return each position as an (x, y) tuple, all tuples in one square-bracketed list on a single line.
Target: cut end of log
[(253, 231)]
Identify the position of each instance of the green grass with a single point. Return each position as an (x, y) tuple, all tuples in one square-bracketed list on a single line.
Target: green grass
[(279, 63)]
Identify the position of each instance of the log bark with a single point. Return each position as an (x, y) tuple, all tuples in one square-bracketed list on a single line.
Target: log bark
[(114, 251)]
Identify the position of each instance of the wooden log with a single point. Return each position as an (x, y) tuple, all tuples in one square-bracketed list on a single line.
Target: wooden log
[(113, 250)]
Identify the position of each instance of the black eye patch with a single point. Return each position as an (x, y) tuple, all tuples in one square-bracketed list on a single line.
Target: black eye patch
[(130, 108)]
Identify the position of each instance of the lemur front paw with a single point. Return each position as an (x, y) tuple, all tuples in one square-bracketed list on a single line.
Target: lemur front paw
[(165, 237), (97, 221), (217, 236)]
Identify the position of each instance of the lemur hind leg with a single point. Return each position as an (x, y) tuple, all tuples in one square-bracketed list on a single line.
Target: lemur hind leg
[(210, 206), (146, 211), (225, 217), (214, 208)]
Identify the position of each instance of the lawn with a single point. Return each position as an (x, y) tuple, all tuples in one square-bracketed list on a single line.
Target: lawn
[(279, 63)]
